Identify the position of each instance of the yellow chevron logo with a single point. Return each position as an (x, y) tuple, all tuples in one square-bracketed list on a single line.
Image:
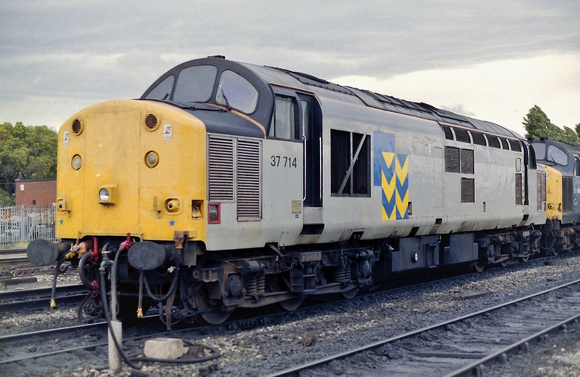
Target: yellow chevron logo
[(402, 170), (389, 187), (391, 173)]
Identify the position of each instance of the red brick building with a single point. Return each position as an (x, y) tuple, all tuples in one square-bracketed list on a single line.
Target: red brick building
[(39, 192)]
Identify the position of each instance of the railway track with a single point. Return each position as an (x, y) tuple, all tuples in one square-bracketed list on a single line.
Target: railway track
[(40, 298), (65, 340), (15, 262), (460, 346), (4, 252), (44, 350)]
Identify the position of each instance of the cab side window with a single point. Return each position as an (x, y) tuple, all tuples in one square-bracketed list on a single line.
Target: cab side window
[(284, 123)]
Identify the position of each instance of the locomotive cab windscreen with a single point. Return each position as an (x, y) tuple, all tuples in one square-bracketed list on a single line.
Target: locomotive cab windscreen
[(214, 84)]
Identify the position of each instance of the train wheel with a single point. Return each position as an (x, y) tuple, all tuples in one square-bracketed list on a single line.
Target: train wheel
[(292, 304), (478, 266), (349, 294), (215, 317), (90, 309), (524, 259), (211, 311), (504, 262)]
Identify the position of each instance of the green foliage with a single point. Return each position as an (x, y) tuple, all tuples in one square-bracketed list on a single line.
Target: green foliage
[(5, 198), (538, 125), (28, 152)]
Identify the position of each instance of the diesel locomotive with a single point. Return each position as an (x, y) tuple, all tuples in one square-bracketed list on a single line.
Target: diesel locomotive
[(231, 185)]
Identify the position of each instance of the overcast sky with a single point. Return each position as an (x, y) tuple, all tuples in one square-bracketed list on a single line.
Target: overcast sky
[(492, 60)]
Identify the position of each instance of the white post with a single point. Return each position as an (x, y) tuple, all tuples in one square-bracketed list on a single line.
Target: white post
[(114, 356)]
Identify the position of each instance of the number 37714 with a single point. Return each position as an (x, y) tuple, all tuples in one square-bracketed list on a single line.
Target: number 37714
[(283, 161)]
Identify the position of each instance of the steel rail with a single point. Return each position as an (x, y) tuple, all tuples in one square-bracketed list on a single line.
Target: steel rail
[(60, 330), (37, 298), (341, 355), (42, 292), (48, 332), (15, 261), (12, 251), (468, 369)]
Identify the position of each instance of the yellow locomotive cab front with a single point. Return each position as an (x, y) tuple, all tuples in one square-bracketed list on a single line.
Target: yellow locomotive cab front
[(554, 194), (143, 172)]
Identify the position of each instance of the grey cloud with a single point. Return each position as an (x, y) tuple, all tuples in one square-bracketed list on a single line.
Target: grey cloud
[(116, 49)]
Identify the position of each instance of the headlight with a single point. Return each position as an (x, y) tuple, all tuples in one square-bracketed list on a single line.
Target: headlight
[(104, 195), (108, 194), (76, 162)]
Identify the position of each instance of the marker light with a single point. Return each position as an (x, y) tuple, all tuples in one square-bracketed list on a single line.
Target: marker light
[(77, 162), (172, 205), (77, 127), (151, 159), (151, 122), (214, 213)]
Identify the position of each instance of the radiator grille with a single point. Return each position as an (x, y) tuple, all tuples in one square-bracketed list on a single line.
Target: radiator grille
[(221, 169), (248, 176), (234, 173), (452, 160), (467, 190), (519, 189), (467, 165)]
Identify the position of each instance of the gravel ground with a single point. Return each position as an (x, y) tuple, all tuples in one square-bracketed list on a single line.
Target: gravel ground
[(323, 330), (557, 356)]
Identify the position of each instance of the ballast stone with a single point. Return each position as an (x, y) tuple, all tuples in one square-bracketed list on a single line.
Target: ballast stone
[(164, 348)]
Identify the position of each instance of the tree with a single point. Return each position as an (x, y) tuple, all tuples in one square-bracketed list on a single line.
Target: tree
[(570, 136), (27, 152), (5, 198), (538, 125)]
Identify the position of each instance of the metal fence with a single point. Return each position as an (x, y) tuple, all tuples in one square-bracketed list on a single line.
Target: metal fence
[(22, 224)]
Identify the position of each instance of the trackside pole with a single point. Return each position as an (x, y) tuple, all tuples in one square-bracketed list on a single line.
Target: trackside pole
[(115, 364)]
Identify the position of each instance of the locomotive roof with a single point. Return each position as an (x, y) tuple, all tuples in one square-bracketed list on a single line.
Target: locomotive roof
[(266, 75), (573, 149), (389, 103)]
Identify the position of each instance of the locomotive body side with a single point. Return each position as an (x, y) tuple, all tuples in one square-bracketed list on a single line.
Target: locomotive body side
[(263, 203), (230, 185)]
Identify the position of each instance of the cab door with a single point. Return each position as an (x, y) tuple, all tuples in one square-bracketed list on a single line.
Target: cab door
[(312, 137)]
